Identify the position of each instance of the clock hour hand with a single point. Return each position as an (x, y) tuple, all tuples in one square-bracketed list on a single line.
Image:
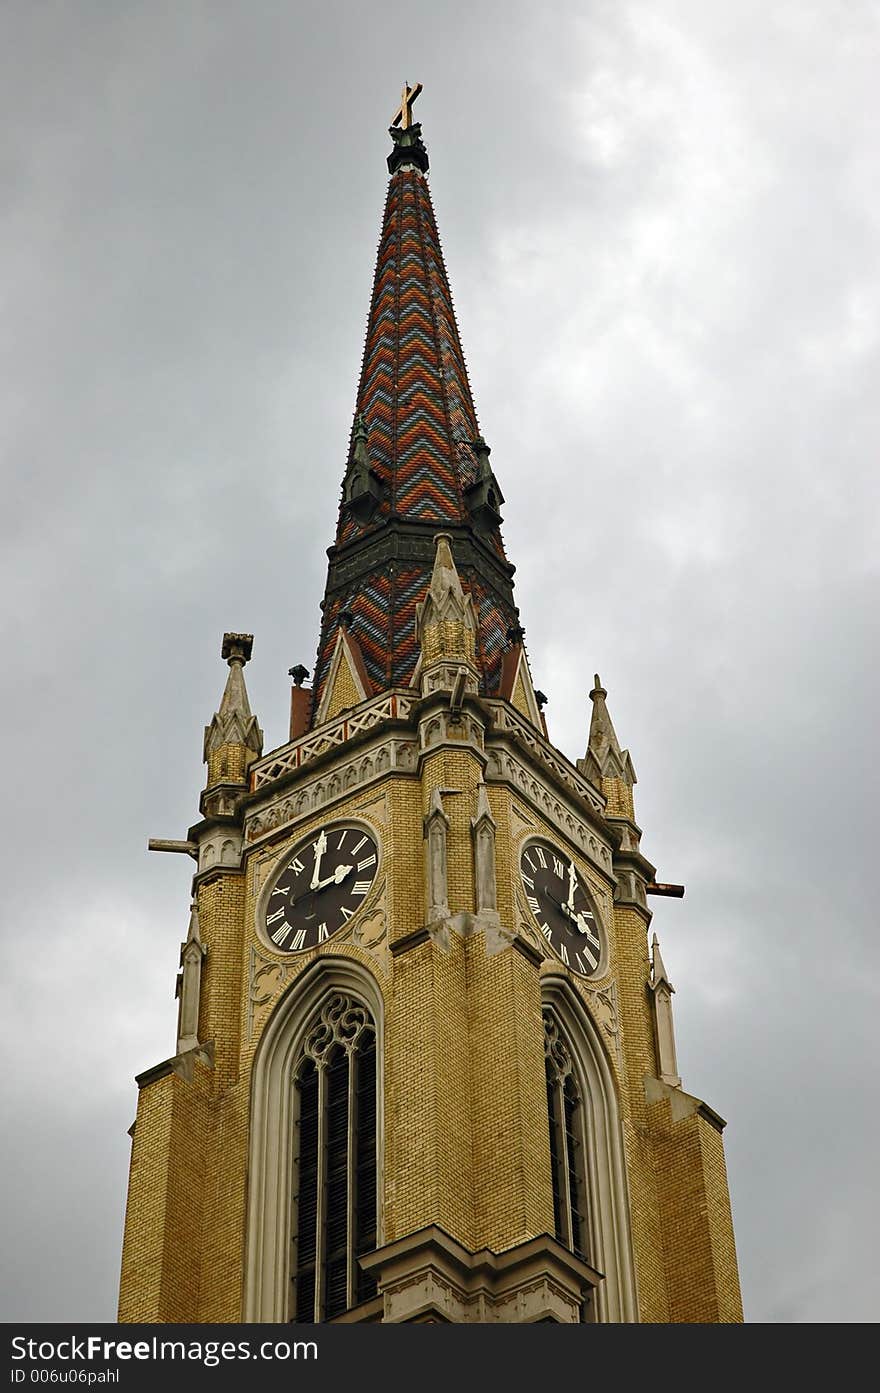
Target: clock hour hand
[(336, 878), (580, 918), (320, 848), (582, 923)]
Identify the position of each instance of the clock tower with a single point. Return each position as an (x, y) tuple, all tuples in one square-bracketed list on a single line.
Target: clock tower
[(425, 1064)]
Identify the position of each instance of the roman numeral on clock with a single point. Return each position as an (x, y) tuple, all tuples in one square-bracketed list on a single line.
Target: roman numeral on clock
[(533, 904), (273, 918), (297, 866), (370, 861), (357, 846), (591, 959), (323, 933), (541, 857), (557, 866), (360, 887)]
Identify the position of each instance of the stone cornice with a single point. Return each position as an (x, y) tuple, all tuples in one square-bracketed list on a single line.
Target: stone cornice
[(429, 1275), (506, 721), (181, 1064)]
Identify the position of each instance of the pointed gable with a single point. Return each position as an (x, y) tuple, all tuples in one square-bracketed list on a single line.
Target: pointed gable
[(347, 681), (516, 685)]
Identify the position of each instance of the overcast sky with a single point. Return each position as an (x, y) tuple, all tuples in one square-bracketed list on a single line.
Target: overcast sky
[(661, 225)]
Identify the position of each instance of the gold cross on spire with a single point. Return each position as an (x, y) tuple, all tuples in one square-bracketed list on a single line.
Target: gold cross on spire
[(403, 116)]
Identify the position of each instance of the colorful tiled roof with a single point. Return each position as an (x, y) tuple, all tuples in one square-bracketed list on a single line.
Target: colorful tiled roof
[(415, 417)]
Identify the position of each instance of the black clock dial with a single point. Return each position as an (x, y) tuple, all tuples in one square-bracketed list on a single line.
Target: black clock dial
[(562, 906), (323, 884)]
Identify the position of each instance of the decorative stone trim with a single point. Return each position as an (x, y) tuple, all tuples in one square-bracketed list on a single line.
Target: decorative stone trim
[(399, 756), (506, 718), (189, 985), (605, 1010), (267, 977), (219, 848), (483, 834), (447, 727), (340, 1021), (436, 827), (430, 1276), (502, 766), (388, 706)]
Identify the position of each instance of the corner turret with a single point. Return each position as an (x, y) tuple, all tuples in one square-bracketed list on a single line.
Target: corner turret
[(233, 740), (608, 768)]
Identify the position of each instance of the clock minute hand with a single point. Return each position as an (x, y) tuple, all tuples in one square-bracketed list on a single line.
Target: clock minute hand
[(320, 848)]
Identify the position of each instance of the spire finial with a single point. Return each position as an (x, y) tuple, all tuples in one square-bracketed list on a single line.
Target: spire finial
[(237, 648), (403, 115), (407, 134)]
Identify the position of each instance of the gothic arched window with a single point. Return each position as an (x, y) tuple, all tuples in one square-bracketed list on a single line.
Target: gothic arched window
[(333, 1208), (315, 1147), (590, 1196), (567, 1143)]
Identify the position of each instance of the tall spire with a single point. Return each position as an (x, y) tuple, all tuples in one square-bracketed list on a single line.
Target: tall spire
[(417, 463)]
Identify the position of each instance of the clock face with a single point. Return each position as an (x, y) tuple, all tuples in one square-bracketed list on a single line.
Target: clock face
[(562, 906), (322, 885)]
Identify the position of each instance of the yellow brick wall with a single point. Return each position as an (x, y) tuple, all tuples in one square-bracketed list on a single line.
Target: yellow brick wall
[(228, 764), (447, 639), (162, 1249), (618, 798), (519, 699), (143, 1249), (221, 902), (633, 972), (720, 1222), (465, 1126), (698, 1232), (511, 1142)]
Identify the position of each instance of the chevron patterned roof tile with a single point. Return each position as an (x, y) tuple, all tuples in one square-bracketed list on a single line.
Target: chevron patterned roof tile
[(415, 397)]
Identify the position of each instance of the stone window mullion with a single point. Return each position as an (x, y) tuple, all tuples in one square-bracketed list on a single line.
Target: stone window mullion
[(558, 1124), (321, 1222), (351, 1187)]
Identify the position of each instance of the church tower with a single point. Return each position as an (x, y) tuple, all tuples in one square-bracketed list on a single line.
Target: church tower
[(425, 1066)]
